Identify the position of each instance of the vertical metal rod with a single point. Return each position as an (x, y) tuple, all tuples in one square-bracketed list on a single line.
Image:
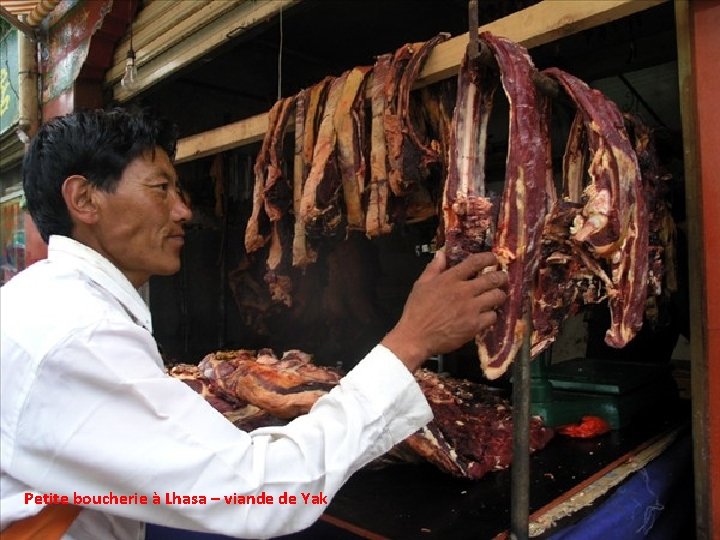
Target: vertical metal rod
[(473, 29), (520, 472)]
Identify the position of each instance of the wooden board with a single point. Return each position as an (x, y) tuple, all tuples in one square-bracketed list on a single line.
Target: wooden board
[(541, 23)]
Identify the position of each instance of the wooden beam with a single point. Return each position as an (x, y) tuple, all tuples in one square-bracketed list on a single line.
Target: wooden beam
[(536, 25), (541, 23), (196, 43), (223, 138)]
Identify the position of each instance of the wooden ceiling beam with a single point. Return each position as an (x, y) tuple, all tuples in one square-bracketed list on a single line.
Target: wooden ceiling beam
[(536, 25)]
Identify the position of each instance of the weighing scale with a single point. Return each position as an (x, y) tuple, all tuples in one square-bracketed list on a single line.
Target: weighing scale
[(617, 391)]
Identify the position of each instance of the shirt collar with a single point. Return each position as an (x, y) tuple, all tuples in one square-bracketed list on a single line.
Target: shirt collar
[(102, 272)]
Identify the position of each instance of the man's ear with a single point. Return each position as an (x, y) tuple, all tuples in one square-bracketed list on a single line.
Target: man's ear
[(81, 199)]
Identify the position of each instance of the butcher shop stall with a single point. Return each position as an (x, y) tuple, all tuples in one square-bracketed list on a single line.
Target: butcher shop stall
[(329, 149)]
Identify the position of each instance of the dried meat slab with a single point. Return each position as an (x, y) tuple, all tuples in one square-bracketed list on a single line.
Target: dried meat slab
[(409, 151), (471, 433), (319, 206), (285, 387), (277, 199), (349, 123), (567, 278), (257, 230), (469, 215), (377, 220), (309, 110), (612, 228)]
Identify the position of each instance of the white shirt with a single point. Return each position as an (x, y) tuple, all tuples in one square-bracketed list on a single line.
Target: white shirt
[(87, 408)]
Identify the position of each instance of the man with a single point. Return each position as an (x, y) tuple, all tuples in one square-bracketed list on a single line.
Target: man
[(87, 409)]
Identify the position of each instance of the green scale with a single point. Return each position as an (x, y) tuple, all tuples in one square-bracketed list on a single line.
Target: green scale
[(617, 391)]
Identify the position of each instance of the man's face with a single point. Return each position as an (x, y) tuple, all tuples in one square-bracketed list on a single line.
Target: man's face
[(140, 225)]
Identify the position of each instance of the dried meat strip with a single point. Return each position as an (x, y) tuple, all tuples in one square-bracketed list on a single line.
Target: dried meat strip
[(277, 198), (523, 208), (662, 270), (257, 229), (307, 122), (349, 122), (564, 281), (318, 209), (409, 153), (277, 190), (377, 220)]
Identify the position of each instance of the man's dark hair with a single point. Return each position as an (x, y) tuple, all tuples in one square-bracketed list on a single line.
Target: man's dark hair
[(98, 145)]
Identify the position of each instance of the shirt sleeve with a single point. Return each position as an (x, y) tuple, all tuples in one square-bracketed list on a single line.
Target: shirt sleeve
[(101, 417)]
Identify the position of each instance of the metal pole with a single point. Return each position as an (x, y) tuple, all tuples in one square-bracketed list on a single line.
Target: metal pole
[(520, 472), (473, 29)]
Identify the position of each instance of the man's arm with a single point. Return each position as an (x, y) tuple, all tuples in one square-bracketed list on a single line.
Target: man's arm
[(101, 417)]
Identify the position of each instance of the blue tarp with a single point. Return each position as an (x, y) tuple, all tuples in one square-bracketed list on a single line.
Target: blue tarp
[(656, 502)]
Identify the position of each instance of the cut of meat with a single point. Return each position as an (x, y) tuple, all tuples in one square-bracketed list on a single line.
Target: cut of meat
[(257, 230), (279, 262), (284, 388), (522, 213), (277, 198), (564, 280), (307, 122), (409, 153), (277, 190), (319, 210), (613, 224), (377, 222), (662, 270), (191, 376), (468, 214), (243, 415), (349, 122), (471, 433)]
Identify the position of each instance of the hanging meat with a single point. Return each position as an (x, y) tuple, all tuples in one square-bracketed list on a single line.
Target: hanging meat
[(469, 215), (662, 264), (377, 219), (567, 277), (277, 198), (349, 123), (409, 152), (257, 229), (308, 113), (610, 232), (320, 207)]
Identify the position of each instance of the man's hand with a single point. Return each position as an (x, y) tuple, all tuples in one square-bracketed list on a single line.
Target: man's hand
[(447, 308)]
